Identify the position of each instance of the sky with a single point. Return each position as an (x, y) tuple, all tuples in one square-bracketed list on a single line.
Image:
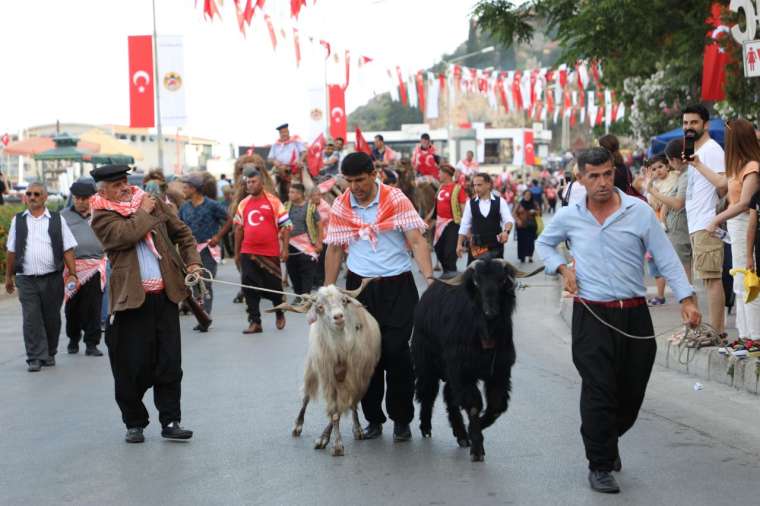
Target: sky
[(67, 60)]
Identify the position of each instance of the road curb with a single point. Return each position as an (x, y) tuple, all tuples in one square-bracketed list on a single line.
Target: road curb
[(706, 363)]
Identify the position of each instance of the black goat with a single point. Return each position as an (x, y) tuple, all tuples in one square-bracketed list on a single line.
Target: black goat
[(463, 334)]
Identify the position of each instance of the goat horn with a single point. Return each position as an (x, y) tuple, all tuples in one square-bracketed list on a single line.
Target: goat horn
[(459, 278), (301, 308), (356, 292), (519, 273)]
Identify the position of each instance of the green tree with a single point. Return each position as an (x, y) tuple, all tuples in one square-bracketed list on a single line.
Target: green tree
[(652, 50)]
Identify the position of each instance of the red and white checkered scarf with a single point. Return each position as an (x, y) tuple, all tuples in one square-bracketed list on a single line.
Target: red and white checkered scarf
[(395, 212)]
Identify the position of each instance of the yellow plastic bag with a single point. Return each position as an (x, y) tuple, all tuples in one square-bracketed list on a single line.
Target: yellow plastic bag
[(751, 283), (539, 225)]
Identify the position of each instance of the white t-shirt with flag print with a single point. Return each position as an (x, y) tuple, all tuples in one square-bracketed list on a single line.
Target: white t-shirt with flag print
[(701, 195)]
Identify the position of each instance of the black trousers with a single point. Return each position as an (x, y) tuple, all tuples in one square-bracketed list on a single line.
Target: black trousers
[(253, 274), (319, 273), (83, 313), (391, 301), (209, 263), (615, 371), (301, 269), (144, 347), (41, 298), (526, 242), (446, 247)]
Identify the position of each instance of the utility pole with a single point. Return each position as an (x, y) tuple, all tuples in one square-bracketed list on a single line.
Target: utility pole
[(157, 86)]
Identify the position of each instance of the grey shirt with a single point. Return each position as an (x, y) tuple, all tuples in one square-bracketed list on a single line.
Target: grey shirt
[(298, 217), (88, 245), (676, 223)]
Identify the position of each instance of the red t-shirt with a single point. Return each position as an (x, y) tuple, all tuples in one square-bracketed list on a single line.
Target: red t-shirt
[(260, 228), (443, 205)]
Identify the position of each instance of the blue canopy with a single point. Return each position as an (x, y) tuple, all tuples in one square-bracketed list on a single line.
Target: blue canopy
[(716, 127)]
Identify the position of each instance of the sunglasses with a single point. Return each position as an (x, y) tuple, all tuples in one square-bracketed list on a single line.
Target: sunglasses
[(35, 194)]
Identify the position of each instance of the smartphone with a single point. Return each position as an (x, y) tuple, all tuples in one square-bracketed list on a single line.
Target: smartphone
[(688, 145)]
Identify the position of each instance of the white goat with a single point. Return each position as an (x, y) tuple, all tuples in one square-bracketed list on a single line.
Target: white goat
[(344, 349)]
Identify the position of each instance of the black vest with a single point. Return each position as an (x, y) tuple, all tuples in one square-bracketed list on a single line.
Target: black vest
[(55, 230), (486, 228)]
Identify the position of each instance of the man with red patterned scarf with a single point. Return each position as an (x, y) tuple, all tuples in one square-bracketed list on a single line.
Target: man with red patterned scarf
[(468, 166), (375, 222), (424, 158), (139, 234), (447, 214), (286, 154)]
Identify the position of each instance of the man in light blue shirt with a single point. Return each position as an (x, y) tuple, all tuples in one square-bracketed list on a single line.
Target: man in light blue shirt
[(609, 233), (378, 249)]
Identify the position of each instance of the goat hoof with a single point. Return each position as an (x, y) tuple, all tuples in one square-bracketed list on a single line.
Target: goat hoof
[(297, 430), (337, 451), (463, 442), (359, 435), (475, 457), (321, 443)]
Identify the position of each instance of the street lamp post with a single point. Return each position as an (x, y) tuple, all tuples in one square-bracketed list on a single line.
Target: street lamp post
[(450, 100)]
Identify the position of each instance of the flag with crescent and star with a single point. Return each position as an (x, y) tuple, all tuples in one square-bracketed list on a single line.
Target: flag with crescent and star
[(361, 143), (141, 102), (337, 101), (314, 155)]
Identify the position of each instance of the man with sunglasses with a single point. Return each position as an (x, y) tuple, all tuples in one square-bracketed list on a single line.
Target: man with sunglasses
[(39, 244)]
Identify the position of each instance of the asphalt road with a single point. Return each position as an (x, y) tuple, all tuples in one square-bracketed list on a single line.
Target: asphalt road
[(62, 439)]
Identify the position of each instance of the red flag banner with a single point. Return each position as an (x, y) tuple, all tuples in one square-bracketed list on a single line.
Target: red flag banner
[(295, 7), (402, 87), (715, 59), (361, 144), (297, 43), (272, 35), (530, 156), (314, 155), (141, 103), (337, 102), (420, 91)]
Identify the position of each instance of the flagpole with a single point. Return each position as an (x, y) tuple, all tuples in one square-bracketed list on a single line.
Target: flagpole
[(157, 86)]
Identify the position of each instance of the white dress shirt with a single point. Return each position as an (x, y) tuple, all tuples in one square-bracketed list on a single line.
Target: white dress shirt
[(485, 208), (38, 256)]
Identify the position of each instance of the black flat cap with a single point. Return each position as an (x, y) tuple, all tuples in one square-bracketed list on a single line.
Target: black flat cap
[(284, 125), (82, 189), (110, 172)]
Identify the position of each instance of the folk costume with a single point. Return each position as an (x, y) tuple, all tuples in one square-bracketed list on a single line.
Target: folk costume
[(450, 201), (261, 218), (303, 257), (83, 303), (423, 161), (145, 288), (374, 237)]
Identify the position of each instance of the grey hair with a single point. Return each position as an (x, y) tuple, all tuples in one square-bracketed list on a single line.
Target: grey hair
[(37, 184), (593, 156)]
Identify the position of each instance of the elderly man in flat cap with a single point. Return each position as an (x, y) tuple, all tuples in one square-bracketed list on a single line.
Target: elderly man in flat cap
[(209, 221), (84, 300), (139, 233), (286, 154)]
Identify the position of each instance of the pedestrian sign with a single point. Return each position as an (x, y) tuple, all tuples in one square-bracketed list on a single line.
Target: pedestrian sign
[(751, 58)]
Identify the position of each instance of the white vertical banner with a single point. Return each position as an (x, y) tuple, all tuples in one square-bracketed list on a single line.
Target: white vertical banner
[(433, 92), (171, 80)]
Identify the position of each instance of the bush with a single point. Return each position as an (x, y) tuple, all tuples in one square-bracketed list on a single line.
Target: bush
[(6, 215)]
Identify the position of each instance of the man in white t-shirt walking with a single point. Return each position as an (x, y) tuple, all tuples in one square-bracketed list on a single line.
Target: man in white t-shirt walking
[(705, 181)]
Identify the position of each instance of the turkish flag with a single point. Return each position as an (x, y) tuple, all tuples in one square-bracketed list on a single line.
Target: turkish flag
[(715, 59), (530, 157), (141, 94), (361, 144), (337, 102), (314, 155)]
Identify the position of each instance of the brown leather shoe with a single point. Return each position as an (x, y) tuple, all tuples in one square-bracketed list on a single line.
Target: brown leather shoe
[(253, 328), (280, 322)]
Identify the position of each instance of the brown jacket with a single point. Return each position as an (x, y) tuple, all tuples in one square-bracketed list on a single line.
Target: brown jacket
[(120, 235)]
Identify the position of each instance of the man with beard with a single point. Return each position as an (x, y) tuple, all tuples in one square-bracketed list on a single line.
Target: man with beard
[(705, 184), (84, 301), (261, 242), (609, 233), (139, 233)]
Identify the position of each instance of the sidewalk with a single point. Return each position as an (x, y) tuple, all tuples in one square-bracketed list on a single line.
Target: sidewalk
[(706, 364)]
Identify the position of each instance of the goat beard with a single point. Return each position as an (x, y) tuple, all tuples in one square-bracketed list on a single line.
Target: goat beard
[(340, 371)]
